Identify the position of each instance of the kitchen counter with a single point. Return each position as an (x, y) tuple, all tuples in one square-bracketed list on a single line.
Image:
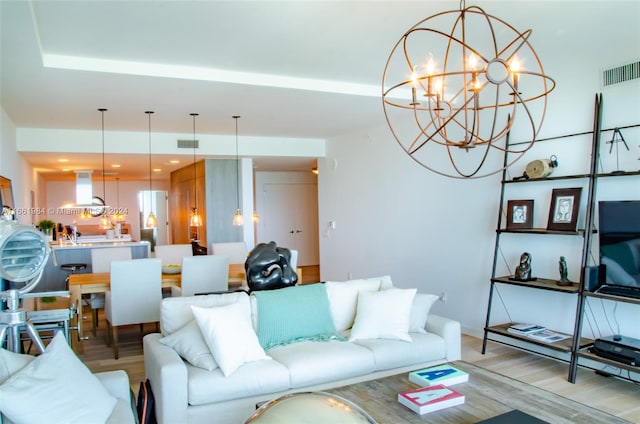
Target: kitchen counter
[(53, 278)]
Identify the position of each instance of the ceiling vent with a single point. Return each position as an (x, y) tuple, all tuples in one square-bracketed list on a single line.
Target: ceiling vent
[(619, 74), (188, 144)]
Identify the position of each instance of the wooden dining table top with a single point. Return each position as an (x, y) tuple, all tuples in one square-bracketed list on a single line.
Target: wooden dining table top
[(236, 273)]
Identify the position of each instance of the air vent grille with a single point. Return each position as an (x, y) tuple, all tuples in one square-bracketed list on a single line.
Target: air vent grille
[(620, 74), (188, 144)]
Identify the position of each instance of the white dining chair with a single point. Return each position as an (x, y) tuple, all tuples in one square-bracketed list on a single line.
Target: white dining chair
[(172, 254), (134, 296), (236, 251), (101, 259), (203, 274)]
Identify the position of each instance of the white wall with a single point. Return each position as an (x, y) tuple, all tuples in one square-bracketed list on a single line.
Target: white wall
[(437, 234)]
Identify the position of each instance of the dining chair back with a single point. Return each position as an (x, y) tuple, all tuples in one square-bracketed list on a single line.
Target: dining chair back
[(101, 259), (236, 251), (172, 254), (203, 274), (134, 295)]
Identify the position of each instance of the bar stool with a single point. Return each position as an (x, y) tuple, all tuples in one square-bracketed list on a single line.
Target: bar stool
[(72, 268)]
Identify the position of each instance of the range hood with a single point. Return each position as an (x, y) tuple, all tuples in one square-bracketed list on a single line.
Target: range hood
[(84, 191)]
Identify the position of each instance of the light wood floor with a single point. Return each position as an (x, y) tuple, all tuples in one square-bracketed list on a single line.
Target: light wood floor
[(615, 396)]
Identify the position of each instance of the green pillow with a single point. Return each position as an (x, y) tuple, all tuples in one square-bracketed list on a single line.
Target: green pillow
[(294, 314), (622, 254)]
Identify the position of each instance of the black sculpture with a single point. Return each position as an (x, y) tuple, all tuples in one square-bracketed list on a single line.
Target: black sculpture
[(523, 271), (268, 267)]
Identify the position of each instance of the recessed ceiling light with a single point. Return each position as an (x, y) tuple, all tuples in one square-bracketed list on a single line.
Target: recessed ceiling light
[(115, 165), (174, 162), (63, 160), (157, 169)]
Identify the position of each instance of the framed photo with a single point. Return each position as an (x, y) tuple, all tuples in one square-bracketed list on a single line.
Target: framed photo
[(519, 214), (563, 213)]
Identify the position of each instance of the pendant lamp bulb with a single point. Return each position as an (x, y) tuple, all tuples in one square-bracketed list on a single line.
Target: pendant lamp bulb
[(238, 220), (152, 221), (195, 220)]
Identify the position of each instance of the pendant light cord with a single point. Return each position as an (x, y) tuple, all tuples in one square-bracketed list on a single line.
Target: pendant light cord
[(149, 112), (195, 192), (104, 191), (237, 165)]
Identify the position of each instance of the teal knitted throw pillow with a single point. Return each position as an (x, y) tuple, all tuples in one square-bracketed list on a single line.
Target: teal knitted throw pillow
[(294, 314)]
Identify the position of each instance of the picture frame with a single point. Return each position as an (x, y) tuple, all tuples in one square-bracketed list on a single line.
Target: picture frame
[(563, 211), (519, 214)]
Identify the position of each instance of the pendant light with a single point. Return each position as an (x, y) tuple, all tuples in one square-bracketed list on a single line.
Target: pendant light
[(152, 221), (195, 220), (238, 220), (105, 223)]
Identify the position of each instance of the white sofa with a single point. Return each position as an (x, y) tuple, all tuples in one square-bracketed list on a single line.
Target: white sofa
[(187, 393)]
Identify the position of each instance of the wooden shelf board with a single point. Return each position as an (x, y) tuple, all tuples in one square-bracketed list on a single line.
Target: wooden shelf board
[(584, 353), (562, 345), (612, 297), (540, 231), (556, 178), (540, 283)]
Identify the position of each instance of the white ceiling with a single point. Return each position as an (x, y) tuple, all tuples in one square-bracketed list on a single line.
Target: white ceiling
[(305, 69)]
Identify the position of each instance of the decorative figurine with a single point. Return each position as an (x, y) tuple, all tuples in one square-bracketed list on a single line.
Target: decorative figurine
[(523, 271), (268, 267), (562, 266)]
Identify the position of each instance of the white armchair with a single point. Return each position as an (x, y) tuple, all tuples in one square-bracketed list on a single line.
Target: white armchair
[(134, 295), (201, 274), (101, 262)]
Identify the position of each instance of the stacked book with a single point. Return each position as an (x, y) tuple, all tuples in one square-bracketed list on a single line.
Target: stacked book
[(434, 393), (536, 332)]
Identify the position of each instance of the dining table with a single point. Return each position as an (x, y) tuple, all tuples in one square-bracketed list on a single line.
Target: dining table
[(87, 283)]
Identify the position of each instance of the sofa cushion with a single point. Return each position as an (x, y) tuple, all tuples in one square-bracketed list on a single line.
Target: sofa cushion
[(190, 345), (293, 314), (396, 353), (11, 362), (420, 308), (250, 379), (175, 312), (343, 298), (55, 387), (228, 332), (384, 314), (312, 362)]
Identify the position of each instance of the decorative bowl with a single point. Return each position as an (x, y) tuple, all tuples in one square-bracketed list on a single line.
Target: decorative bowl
[(171, 269)]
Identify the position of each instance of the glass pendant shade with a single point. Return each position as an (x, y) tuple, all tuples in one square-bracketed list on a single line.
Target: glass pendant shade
[(195, 220), (237, 218), (152, 221), (105, 223), (255, 217)]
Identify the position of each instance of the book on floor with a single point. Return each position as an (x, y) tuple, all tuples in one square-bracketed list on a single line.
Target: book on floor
[(429, 399), (524, 329), (441, 374)]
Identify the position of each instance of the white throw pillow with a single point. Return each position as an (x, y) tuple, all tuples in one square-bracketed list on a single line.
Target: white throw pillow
[(56, 387), (343, 300), (228, 332), (11, 362), (189, 344), (422, 304), (383, 315)]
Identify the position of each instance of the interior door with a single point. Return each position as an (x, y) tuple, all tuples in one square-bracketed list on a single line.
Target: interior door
[(290, 218)]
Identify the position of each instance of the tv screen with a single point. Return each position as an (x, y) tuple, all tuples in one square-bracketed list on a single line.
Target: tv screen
[(619, 237)]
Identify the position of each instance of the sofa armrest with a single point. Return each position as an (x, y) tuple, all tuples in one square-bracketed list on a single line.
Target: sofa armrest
[(116, 383), (449, 330), (167, 373)]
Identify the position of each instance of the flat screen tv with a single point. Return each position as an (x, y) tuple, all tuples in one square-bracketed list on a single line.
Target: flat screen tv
[(619, 237)]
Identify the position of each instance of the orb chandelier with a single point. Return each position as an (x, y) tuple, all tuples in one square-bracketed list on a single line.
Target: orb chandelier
[(455, 84)]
